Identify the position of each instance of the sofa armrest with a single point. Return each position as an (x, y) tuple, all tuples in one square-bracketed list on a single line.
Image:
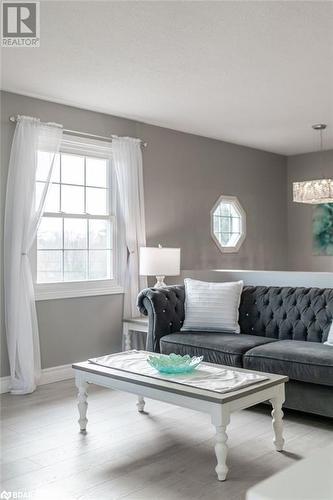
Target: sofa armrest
[(165, 310)]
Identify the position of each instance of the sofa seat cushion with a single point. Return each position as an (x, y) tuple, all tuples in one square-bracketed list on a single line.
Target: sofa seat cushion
[(300, 360), (221, 348)]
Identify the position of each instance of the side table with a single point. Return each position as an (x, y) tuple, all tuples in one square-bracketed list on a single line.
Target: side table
[(130, 325)]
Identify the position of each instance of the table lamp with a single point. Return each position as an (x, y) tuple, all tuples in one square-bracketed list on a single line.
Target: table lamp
[(159, 262)]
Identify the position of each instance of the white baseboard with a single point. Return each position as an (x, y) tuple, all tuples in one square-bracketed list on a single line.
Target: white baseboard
[(49, 375), (4, 384), (56, 373)]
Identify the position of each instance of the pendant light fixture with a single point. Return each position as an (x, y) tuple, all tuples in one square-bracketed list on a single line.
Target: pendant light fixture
[(317, 191)]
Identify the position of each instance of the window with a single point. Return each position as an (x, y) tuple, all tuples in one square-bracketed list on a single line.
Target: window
[(76, 237), (228, 224)]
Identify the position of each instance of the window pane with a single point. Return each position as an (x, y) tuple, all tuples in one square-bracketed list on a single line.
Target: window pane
[(224, 238), (96, 201), (96, 172), (39, 192), (219, 223), (74, 248), (233, 211), (75, 265), (75, 233), (72, 199), (49, 266), (50, 233), (72, 169), (235, 224), (99, 264), (52, 202), (215, 224), (226, 224), (233, 239), (225, 209), (100, 234), (217, 211), (43, 165)]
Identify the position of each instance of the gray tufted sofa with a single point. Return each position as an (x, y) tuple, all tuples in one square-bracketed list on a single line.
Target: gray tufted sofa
[(282, 331)]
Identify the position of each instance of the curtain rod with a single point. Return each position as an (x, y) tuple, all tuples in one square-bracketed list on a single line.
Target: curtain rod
[(13, 119)]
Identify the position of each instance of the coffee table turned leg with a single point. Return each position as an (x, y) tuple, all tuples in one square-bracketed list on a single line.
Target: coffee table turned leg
[(82, 403), (277, 416), (140, 404), (221, 449)]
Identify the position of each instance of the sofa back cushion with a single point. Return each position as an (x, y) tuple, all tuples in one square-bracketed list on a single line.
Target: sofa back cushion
[(286, 312)]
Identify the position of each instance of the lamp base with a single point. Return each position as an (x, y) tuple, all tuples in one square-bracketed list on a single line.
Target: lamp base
[(160, 282)]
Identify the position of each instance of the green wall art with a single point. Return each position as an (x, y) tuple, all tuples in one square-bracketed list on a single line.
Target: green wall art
[(322, 229)]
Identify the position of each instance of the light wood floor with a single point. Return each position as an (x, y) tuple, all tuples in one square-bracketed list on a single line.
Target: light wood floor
[(165, 454)]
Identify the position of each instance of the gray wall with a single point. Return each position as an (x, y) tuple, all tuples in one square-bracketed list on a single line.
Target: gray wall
[(300, 252), (262, 278), (183, 176)]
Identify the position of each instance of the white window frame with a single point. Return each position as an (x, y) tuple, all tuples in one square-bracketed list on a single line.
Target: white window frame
[(71, 289), (234, 201)]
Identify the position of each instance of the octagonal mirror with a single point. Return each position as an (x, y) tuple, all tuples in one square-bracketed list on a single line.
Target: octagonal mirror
[(228, 224)]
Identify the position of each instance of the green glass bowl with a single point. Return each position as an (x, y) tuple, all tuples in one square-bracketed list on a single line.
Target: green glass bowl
[(174, 363)]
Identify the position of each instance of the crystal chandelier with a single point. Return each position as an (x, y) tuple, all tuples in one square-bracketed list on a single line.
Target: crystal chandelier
[(317, 191)]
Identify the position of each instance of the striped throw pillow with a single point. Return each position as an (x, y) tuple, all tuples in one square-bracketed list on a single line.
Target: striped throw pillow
[(212, 307)]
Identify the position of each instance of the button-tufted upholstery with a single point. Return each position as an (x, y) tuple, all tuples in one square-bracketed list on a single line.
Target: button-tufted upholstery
[(287, 313), (282, 331), (165, 309), (283, 313)]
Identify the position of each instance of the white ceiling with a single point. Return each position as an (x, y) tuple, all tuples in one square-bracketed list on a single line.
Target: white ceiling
[(252, 73)]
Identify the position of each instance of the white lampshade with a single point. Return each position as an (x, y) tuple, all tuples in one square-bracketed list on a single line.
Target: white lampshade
[(155, 261)]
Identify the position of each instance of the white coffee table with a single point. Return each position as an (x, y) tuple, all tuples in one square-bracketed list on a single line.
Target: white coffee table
[(218, 405)]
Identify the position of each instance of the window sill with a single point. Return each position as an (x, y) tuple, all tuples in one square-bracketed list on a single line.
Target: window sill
[(49, 291)]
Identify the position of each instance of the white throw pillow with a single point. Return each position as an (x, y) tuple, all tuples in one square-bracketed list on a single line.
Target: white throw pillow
[(212, 307), (329, 340)]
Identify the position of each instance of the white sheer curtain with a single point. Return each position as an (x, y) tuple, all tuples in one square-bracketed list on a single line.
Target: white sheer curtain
[(127, 160), (22, 217)]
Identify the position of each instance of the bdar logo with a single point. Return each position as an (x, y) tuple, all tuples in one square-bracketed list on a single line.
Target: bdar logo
[(5, 494)]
